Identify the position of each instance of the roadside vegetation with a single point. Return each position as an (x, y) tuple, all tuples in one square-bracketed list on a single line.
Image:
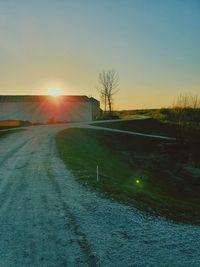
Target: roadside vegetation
[(161, 177), (181, 120), (151, 174), (8, 127), (8, 132), (3, 133), (148, 126)]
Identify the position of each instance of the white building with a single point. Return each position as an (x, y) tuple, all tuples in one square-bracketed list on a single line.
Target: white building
[(48, 109)]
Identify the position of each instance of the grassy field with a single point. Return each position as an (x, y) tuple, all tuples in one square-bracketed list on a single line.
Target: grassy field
[(149, 126), (139, 171)]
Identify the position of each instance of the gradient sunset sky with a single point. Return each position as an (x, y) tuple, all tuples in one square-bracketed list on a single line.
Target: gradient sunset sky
[(154, 45)]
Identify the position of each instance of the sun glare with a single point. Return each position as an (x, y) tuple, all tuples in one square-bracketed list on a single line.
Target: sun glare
[(54, 92)]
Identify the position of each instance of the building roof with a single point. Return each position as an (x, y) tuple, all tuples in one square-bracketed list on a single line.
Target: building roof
[(94, 100), (41, 98)]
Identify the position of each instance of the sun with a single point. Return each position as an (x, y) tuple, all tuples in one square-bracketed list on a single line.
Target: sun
[(54, 92)]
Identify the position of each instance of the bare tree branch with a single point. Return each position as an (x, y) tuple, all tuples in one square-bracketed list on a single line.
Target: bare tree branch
[(109, 81)]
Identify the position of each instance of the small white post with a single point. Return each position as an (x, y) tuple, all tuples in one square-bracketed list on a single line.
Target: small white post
[(97, 173)]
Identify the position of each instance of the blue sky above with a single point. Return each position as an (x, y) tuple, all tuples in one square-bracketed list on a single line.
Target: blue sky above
[(152, 44)]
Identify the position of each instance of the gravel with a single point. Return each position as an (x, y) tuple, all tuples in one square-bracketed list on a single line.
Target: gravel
[(48, 219)]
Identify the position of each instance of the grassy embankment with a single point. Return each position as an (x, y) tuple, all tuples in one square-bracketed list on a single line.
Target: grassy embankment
[(140, 171), (148, 126), (6, 131)]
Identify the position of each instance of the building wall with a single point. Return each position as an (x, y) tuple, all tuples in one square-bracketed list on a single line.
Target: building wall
[(52, 110), (9, 123), (95, 108)]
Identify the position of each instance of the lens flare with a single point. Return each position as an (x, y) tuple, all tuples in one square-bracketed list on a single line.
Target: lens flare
[(137, 181)]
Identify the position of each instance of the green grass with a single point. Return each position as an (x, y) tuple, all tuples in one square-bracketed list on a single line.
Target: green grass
[(8, 132), (8, 127), (133, 170), (4, 133)]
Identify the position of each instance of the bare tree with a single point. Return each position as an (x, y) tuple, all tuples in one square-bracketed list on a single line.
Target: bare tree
[(187, 101), (109, 81)]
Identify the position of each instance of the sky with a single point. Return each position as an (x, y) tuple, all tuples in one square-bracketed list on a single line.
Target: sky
[(152, 44)]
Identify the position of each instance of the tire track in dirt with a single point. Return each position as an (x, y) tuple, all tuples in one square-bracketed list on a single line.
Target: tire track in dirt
[(7, 176), (14, 205), (81, 239), (39, 219), (13, 151), (38, 228)]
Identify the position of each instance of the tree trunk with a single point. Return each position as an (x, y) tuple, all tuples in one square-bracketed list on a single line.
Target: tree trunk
[(110, 106)]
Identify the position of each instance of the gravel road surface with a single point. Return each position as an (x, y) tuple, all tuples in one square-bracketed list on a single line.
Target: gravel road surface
[(48, 219)]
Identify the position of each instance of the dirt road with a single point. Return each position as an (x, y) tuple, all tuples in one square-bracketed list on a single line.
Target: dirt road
[(48, 219)]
